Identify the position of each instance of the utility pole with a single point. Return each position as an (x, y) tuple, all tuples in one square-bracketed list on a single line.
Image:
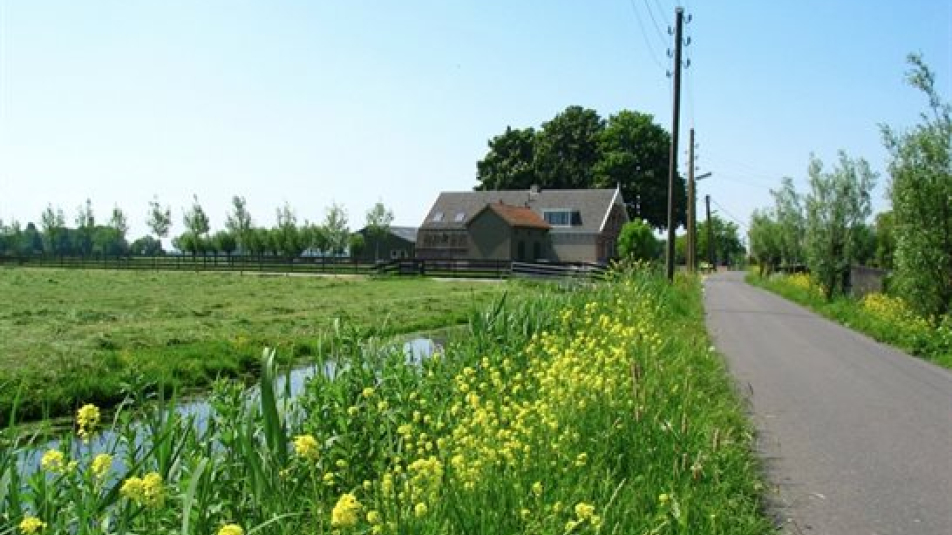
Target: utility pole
[(710, 235), (689, 254), (673, 160)]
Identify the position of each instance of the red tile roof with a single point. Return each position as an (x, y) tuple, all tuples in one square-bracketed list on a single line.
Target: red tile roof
[(518, 216)]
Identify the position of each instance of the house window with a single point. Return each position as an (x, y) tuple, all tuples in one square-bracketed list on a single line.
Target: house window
[(562, 218), (437, 217)]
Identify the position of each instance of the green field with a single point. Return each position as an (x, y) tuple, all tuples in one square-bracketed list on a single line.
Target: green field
[(74, 336)]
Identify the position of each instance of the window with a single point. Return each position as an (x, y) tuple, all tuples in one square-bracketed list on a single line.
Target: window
[(437, 217), (460, 216), (562, 218)]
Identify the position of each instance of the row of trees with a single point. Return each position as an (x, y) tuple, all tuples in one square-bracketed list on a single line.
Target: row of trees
[(287, 238), (637, 241), (826, 229), (578, 149)]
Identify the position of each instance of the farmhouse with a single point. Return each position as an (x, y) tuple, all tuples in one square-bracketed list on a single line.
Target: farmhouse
[(524, 225)]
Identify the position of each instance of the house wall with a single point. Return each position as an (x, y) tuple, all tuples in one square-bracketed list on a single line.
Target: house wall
[(607, 246), (490, 237), (442, 243), (530, 245), (391, 247), (574, 246)]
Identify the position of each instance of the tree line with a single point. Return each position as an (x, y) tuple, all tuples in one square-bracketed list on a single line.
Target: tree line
[(826, 229), (287, 238)]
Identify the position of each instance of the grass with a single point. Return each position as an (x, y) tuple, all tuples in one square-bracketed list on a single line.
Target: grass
[(71, 336), (597, 409), (882, 317)]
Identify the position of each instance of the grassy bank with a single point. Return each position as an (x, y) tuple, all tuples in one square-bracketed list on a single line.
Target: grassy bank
[(70, 335), (600, 409), (885, 318)]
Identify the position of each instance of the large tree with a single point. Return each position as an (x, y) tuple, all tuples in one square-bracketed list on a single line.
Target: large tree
[(335, 229), (85, 227), (791, 223), (287, 234), (577, 149), (633, 153), (196, 220), (921, 193), (838, 203), (728, 248), (53, 223), (509, 164), (566, 149), (765, 241)]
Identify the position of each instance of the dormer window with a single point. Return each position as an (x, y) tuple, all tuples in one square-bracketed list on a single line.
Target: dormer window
[(437, 217), (460, 216), (562, 218)]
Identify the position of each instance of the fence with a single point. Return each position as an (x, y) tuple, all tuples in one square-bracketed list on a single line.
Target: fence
[(470, 268)]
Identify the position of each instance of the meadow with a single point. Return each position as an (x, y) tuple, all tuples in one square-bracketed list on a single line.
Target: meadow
[(72, 336), (598, 408), (886, 318)]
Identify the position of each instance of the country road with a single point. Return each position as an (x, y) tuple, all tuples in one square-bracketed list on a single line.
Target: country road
[(856, 436)]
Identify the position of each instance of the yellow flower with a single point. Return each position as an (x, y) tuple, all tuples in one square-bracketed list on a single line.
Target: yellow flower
[(306, 446), (420, 510), (101, 465), (132, 488), (581, 460), (31, 524), (54, 461), (584, 511), (87, 419), (537, 488), (344, 514), (368, 392), (231, 529), (525, 514), (373, 517), (153, 493)]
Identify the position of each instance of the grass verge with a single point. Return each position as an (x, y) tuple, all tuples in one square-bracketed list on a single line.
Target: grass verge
[(600, 409), (884, 318)]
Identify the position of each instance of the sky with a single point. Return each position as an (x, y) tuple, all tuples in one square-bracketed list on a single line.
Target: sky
[(317, 102)]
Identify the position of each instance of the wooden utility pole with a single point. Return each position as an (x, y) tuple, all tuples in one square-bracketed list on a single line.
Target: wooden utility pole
[(710, 235), (689, 254), (673, 160)]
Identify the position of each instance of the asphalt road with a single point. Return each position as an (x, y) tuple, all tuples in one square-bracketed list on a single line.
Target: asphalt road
[(856, 436)]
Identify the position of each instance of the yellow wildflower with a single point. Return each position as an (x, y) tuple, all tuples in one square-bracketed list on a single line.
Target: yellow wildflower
[(31, 524), (306, 446), (537, 488), (54, 461), (87, 419), (373, 517), (101, 465), (584, 511), (420, 510), (231, 529), (368, 392), (153, 493), (581, 460), (344, 514)]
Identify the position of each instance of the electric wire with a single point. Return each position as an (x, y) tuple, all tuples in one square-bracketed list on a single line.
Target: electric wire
[(644, 35)]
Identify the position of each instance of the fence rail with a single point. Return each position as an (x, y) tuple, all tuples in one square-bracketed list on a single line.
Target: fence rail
[(470, 268)]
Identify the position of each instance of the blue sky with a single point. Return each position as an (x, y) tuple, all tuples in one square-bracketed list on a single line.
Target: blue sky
[(311, 102)]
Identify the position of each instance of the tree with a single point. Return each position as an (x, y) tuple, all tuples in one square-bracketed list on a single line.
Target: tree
[(146, 246), (509, 162), (225, 242), (53, 223), (239, 222), (566, 149), (85, 226), (637, 241), (727, 246), (335, 229), (885, 240), (790, 221), (921, 194), (378, 226), (288, 236), (765, 241), (316, 238), (119, 223), (633, 153), (159, 219), (355, 245), (837, 204), (195, 219)]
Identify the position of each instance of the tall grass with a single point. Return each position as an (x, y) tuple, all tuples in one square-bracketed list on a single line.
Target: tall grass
[(594, 409)]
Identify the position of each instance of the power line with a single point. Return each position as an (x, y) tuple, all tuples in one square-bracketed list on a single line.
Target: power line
[(654, 21), (730, 215), (644, 35)]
